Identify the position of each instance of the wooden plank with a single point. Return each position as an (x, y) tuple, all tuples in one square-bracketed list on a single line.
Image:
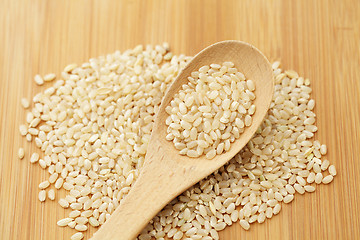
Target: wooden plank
[(319, 39)]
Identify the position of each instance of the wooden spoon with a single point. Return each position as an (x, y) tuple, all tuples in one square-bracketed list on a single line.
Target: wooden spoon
[(166, 173)]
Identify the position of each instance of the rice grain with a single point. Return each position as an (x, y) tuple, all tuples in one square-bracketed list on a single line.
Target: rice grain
[(77, 236), (328, 179), (38, 80), (25, 103), (42, 195), (244, 224), (21, 153), (49, 77), (64, 222), (332, 170)]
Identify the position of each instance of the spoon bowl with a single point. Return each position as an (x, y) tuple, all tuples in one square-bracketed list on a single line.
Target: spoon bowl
[(166, 173)]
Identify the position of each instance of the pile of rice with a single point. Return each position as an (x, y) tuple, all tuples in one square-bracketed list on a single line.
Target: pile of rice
[(93, 127)]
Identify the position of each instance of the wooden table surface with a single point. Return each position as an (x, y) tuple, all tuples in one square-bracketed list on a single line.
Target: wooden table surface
[(319, 39)]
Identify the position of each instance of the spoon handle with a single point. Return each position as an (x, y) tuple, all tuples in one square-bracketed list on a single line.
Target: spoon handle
[(156, 185)]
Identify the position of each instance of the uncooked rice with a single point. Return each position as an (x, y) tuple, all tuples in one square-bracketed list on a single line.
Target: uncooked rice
[(210, 111), (42, 195), (51, 194), (77, 236), (93, 126), (38, 80), (25, 103), (49, 77), (21, 153)]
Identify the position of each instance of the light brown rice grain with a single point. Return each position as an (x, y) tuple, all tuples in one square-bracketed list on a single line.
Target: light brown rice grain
[(327, 179), (38, 80), (49, 77), (34, 158), (309, 188), (324, 165), (77, 236), (42, 195), (63, 203), (244, 224), (288, 198), (318, 178), (21, 153), (72, 224), (64, 222), (332, 170), (25, 103), (44, 184)]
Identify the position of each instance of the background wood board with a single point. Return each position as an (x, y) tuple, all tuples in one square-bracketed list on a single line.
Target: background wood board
[(319, 39)]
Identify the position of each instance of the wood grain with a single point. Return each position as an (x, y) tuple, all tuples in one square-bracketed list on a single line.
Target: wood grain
[(319, 39)]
